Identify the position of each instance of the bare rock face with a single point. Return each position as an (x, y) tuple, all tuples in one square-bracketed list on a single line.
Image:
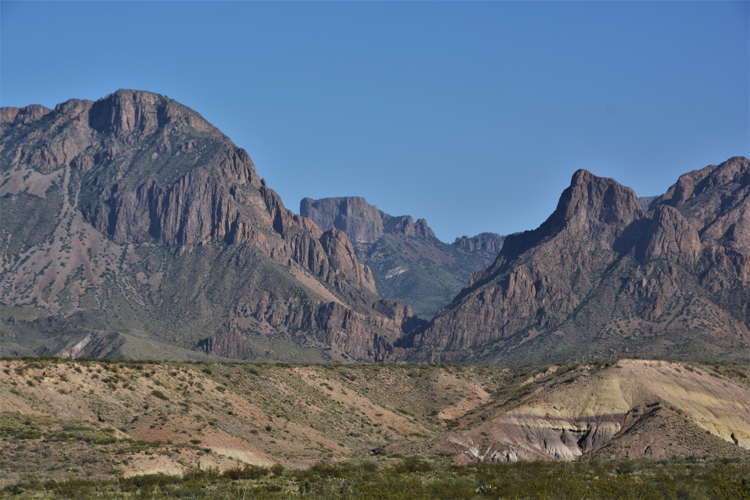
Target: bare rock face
[(646, 202), (361, 221), (602, 278), (405, 225), (139, 205), (717, 201), (486, 242), (527, 288), (17, 116), (671, 237), (228, 342), (408, 262)]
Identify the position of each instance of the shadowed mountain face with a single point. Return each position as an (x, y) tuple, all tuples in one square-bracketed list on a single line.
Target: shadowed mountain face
[(408, 262), (133, 227), (602, 278)]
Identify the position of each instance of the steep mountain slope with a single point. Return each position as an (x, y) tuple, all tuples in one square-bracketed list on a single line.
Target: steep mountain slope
[(408, 262), (132, 219), (601, 278)]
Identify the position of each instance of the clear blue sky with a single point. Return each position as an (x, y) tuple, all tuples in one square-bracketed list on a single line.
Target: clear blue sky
[(471, 115)]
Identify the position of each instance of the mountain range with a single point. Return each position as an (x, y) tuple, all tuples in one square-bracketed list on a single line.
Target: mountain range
[(133, 228), (407, 261), (602, 278)]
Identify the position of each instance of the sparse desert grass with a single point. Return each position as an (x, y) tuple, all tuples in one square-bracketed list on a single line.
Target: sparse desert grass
[(418, 478), (87, 423)]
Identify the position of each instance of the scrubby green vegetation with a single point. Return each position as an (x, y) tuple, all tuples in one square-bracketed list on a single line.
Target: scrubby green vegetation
[(417, 478)]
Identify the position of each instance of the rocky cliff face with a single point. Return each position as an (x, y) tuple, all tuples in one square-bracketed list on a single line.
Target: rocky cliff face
[(409, 263), (484, 242), (108, 205), (601, 278), (361, 221)]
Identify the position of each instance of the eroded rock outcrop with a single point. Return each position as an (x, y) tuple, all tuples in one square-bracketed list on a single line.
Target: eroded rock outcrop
[(361, 221), (621, 410), (142, 184), (487, 242), (600, 276), (409, 263), (671, 237)]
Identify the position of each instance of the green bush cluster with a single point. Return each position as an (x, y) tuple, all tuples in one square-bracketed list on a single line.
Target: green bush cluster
[(418, 478)]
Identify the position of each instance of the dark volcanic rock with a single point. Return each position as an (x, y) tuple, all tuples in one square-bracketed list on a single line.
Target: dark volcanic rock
[(670, 236), (716, 201), (228, 342)]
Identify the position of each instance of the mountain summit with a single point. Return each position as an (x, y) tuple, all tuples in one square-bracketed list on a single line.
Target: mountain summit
[(601, 278), (133, 227)]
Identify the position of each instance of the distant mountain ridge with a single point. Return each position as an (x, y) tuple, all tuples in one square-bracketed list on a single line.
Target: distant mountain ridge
[(407, 260), (131, 222)]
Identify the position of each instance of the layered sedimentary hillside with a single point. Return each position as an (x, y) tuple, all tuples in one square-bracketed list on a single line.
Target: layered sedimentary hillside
[(602, 278), (132, 219), (408, 262), (628, 409), (95, 419)]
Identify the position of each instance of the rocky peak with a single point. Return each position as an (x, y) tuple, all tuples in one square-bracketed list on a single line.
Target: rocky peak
[(140, 171), (131, 115), (405, 257), (689, 186), (486, 242), (590, 206), (600, 273), (361, 221), (599, 199), (26, 114), (406, 226), (716, 200)]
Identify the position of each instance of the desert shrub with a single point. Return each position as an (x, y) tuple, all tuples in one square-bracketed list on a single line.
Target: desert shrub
[(160, 395), (412, 465), (323, 470), (247, 472)]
